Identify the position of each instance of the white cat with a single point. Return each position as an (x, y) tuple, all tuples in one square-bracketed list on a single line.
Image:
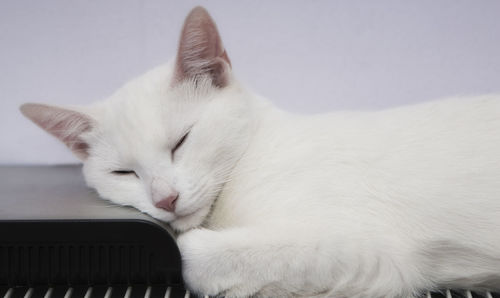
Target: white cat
[(268, 203)]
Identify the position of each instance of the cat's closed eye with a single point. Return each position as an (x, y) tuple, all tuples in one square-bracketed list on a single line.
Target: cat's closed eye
[(179, 144), (124, 173)]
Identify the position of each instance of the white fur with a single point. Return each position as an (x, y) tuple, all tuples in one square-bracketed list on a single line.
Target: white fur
[(346, 204)]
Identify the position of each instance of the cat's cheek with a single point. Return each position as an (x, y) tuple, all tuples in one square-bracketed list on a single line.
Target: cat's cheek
[(191, 221), (157, 213)]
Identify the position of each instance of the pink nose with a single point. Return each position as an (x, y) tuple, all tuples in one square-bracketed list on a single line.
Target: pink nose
[(168, 203)]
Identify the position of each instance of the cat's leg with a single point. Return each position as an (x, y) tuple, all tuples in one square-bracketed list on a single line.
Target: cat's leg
[(242, 262)]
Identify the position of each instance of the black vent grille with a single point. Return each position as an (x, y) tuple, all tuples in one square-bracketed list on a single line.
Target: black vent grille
[(136, 291), (461, 294), (80, 264), (66, 253)]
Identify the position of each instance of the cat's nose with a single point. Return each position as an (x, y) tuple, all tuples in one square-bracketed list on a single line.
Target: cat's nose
[(168, 203)]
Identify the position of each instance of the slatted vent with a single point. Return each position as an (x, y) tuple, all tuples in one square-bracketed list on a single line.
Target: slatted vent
[(75, 264), (461, 294), (137, 291)]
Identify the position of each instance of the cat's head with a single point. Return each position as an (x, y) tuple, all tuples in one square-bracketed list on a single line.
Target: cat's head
[(166, 142)]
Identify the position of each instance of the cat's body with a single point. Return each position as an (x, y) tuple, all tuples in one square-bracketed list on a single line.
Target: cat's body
[(346, 204), (386, 201)]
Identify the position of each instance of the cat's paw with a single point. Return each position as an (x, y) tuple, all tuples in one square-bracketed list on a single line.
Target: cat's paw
[(212, 264), (204, 268)]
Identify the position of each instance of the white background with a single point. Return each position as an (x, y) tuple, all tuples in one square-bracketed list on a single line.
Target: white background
[(307, 56)]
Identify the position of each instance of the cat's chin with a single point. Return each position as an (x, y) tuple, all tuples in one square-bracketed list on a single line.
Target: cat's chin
[(190, 221)]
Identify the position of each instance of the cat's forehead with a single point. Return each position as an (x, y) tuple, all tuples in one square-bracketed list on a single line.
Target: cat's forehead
[(147, 114), (146, 118)]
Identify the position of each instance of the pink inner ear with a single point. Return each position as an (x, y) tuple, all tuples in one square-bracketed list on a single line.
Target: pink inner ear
[(66, 125), (68, 129), (201, 52)]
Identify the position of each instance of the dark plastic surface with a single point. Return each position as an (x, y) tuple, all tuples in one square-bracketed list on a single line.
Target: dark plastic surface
[(91, 252)]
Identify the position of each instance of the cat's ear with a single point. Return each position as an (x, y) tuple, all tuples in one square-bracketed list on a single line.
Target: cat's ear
[(66, 125), (201, 53)]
